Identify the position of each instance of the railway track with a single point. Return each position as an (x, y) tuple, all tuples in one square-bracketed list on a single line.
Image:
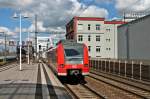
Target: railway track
[(7, 66), (125, 88), (82, 91), (133, 82)]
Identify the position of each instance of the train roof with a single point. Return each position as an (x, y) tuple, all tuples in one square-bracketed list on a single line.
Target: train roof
[(69, 42)]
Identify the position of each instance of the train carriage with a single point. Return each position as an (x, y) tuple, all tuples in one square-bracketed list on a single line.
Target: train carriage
[(69, 58)]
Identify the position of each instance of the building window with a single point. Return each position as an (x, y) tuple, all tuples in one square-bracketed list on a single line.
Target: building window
[(98, 38), (97, 26), (80, 27), (98, 49), (89, 48), (108, 30), (89, 26), (80, 37), (89, 37), (108, 40), (108, 49)]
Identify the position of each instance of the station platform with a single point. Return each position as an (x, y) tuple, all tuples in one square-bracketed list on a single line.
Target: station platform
[(35, 81)]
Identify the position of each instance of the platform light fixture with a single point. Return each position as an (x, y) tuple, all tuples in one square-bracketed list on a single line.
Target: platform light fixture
[(20, 16)]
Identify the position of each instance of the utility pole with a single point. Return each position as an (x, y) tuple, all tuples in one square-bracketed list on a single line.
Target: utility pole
[(5, 45), (36, 36), (28, 50)]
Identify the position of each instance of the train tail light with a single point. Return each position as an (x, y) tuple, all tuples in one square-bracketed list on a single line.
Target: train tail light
[(62, 65), (86, 65)]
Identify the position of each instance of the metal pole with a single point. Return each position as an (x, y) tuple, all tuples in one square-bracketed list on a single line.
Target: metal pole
[(141, 70), (98, 64), (101, 65), (125, 68), (105, 65), (132, 68), (119, 67), (109, 65), (5, 45), (20, 43), (36, 36), (114, 67), (28, 50)]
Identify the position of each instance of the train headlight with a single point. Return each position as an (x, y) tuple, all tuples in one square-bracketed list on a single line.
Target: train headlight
[(62, 65)]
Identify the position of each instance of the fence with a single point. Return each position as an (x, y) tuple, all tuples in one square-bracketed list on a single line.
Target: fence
[(131, 69)]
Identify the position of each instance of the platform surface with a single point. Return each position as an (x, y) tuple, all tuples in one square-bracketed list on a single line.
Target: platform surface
[(35, 81)]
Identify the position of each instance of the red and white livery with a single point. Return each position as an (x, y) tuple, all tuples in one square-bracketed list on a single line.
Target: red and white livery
[(69, 58)]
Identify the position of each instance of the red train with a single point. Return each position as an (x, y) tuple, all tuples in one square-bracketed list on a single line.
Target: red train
[(69, 58)]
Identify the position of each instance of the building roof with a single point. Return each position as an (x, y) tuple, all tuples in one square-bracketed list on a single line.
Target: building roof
[(89, 18), (95, 19)]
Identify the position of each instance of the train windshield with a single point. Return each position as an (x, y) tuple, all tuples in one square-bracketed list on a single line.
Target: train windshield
[(74, 54), (77, 51)]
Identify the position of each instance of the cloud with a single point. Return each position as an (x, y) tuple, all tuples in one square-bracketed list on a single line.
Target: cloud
[(7, 31), (54, 14), (103, 1), (90, 12), (15, 3), (132, 5), (40, 27)]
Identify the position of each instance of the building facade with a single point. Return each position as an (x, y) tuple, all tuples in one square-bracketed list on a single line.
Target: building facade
[(99, 35), (134, 38)]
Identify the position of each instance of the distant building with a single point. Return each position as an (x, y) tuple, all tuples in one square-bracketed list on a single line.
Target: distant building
[(42, 46), (98, 34), (134, 39), (44, 43)]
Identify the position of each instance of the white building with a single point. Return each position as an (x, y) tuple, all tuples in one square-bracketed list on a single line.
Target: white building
[(99, 35), (42, 45)]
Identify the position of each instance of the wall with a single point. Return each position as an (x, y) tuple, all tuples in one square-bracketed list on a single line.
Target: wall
[(134, 38)]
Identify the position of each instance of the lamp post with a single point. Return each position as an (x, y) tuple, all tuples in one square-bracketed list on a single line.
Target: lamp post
[(20, 43), (36, 37), (28, 50)]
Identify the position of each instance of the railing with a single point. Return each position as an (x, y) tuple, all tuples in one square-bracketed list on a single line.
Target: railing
[(132, 69)]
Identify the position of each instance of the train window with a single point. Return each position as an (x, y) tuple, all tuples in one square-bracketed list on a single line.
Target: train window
[(71, 52), (78, 51)]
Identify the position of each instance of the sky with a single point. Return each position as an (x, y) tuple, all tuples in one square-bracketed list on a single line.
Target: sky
[(53, 15)]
